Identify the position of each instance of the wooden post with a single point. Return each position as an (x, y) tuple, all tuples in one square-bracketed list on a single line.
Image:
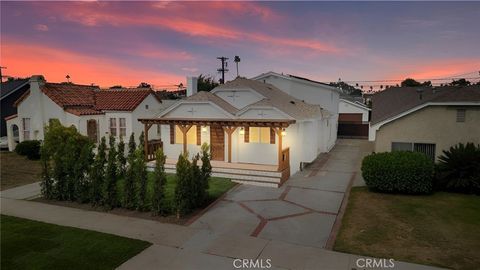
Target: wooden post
[(229, 131), (184, 129), (145, 139), (279, 133)]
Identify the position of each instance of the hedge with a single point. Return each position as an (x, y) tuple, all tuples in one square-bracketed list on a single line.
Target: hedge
[(30, 148), (398, 172)]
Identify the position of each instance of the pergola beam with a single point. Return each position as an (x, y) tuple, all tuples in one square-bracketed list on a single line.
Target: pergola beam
[(279, 123)]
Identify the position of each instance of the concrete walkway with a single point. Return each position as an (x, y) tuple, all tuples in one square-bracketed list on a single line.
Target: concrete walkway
[(303, 211)]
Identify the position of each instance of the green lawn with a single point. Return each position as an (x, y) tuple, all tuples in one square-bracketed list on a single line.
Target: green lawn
[(442, 229), (217, 186), (27, 244)]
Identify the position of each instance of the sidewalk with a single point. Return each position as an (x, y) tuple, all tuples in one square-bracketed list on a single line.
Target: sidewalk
[(181, 247)]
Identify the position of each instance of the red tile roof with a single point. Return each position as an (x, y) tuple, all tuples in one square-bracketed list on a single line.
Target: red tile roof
[(90, 100)]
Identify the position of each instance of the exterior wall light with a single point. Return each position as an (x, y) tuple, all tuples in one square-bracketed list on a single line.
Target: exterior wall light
[(204, 129), (284, 132), (242, 131)]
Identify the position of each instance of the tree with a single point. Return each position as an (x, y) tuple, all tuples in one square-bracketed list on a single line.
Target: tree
[(142, 141), (98, 173), (183, 190), (110, 187), (198, 193), (347, 89), (116, 87), (141, 176), (159, 205), (206, 83), (409, 82), (81, 169), (47, 181), (129, 187), (460, 82), (121, 159), (144, 85), (206, 171)]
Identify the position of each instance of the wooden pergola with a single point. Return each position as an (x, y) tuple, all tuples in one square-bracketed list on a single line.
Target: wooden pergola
[(228, 125)]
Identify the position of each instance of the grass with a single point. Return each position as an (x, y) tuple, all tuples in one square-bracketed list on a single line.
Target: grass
[(442, 229), (28, 244), (216, 187), (16, 170)]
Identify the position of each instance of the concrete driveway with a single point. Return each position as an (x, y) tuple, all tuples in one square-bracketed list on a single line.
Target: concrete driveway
[(303, 211)]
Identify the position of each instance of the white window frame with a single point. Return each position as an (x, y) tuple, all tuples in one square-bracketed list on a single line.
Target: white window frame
[(122, 129), (113, 128), (26, 128)]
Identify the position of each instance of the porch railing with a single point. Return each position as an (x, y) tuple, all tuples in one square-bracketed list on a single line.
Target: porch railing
[(152, 148)]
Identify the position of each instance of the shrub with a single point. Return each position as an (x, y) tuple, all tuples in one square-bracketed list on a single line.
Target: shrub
[(31, 149), (458, 169), (129, 187), (399, 171), (121, 159), (141, 178), (97, 173), (206, 170), (110, 188), (159, 205), (198, 193), (183, 190)]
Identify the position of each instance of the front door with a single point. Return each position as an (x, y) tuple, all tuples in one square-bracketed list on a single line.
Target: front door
[(217, 142), (92, 130)]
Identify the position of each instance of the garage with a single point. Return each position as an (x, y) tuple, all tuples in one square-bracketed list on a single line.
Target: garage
[(353, 120)]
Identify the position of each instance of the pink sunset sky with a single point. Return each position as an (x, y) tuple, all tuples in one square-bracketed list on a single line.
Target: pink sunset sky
[(110, 43)]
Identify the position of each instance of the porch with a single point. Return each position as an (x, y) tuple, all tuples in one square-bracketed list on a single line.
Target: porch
[(221, 142)]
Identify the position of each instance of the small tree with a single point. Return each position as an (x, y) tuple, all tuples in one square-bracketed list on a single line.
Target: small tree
[(110, 188), (141, 138), (141, 176), (80, 172), (198, 193), (47, 181), (159, 205), (129, 188), (97, 173), (121, 159), (183, 190), (206, 170)]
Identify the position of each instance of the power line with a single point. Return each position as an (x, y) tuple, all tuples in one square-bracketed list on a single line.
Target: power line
[(223, 69)]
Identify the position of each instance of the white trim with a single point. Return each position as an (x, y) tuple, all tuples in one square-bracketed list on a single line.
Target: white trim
[(15, 90), (376, 126), (175, 105), (287, 77), (355, 104), (247, 108)]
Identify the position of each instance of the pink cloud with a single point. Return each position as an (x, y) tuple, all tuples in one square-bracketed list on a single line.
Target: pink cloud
[(25, 60), (41, 27)]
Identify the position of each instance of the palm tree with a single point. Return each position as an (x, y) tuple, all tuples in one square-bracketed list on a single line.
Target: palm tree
[(237, 60)]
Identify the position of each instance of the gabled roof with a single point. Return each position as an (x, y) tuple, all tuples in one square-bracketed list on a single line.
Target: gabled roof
[(207, 96), (9, 87), (274, 97), (395, 101), (297, 79), (355, 103), (90, 100)]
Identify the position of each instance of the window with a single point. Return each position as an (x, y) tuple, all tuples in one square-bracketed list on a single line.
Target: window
[(259, 134), (146, 107), (113, 126), (26, 128), (425, 148), (122, 126), (191, 135), (460, 115)]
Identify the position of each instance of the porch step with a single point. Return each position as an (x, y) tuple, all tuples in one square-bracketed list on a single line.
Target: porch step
[(243, 176)]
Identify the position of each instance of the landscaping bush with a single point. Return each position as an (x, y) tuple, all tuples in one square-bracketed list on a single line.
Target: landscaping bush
[(140, 172), (129, 186), (184, 189), (97, 173), (31, 149), (458, 169), (398, 172), (159, 204), (110, 187)]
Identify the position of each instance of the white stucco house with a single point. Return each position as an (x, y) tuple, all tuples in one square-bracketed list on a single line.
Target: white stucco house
[(258, 133), (310, 91), (93, 111)]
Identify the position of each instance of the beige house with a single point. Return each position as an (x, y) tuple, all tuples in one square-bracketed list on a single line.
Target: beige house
[(427, 120)]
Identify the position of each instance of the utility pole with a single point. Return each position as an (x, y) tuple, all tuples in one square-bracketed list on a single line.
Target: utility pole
[(237, 60), (223, 69)]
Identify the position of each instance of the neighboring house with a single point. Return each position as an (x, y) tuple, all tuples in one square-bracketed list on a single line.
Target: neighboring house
[(94, 112), (309, 91), (247, 122), (10, 91), (353, 118), (427, 120)]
